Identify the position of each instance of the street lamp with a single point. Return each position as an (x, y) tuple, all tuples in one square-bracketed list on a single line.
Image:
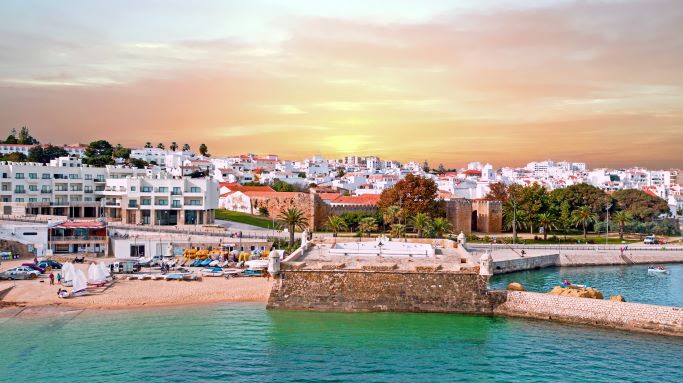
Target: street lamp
[(609, 206)]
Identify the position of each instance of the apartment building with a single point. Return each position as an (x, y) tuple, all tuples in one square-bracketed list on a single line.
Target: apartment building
[(65, 187), (160, 200)]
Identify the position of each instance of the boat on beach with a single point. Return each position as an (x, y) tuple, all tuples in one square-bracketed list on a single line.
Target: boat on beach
[(212, 272)]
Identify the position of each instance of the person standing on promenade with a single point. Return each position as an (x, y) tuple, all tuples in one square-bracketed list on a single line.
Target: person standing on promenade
[(52, 279)]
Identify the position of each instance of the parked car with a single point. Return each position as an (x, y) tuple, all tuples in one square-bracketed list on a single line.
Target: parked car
[(21, 272), (650, 240), (34, 267), (50, 263)]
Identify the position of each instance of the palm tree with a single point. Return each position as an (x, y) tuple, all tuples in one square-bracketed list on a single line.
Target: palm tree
[(547, 221), (391, 214), (397, 230), (148, 145), (622, 217), (420, 223), (367, 225), (161, 146), (293, 219), (186, 147), (203, 150), (173, 146), (583, 216), (440, 226), (336, 224)]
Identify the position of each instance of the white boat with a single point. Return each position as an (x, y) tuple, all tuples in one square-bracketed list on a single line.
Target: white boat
[(176, 276), (212, 272), (657, 270), (80, 283), (97, 274), (257, 264), (214, 263), (67, 274), (231, 273)]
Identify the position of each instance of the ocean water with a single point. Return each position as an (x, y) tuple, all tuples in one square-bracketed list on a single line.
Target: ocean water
[(632, 282), (246, 343)]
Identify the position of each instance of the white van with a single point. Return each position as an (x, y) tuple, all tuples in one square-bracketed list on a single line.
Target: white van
[(650, 240)]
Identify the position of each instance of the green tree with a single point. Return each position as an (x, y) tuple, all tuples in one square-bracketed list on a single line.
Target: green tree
[(565, 218), (186, 147), (420, 222), (148, 145), (161, 146), (263, 211), (341, 172), (398, 230), (293, 219), (137, 163), (336, 224), (622, 218), (639, 204), (367, 225), (440, 226), (99, 153), (37, 154), (25, 137), (391, 214), (121, 152), (174, 146), (281, 186), (14, 157), (584, 216), (580, 195), (12, 137), (203, 150), (548, 222)]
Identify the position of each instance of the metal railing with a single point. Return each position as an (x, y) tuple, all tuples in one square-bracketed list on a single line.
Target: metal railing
[(72, 238), (595, 247)]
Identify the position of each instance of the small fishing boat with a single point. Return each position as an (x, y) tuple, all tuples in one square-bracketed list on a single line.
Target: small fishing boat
[(189, 277), (212, 272), (214, 263), (175, 276), (206, 262), (657, 270)]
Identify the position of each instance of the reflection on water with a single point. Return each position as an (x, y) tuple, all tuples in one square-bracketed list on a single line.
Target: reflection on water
[(633, 282)]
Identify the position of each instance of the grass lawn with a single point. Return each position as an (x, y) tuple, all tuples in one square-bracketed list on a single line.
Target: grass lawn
[(254, 220)]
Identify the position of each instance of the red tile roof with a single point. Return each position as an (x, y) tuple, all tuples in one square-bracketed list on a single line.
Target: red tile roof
[(233, 186), (81, 225), (365, 199)]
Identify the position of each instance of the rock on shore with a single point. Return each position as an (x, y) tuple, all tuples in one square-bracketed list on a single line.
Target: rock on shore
[(577, 292)]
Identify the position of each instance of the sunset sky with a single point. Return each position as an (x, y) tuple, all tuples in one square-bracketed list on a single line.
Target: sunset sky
[(504, 82)]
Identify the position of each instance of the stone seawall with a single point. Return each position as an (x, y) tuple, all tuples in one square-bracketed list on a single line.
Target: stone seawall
[(359, 290), (595, 312), (528, 263)]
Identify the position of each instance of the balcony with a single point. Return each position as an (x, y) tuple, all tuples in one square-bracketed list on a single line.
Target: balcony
[(88, 191), (19, 191), (46, 191), (178, 192), (79, 239)]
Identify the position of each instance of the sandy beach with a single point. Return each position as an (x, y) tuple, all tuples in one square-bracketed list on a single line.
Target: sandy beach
[(126, 294)]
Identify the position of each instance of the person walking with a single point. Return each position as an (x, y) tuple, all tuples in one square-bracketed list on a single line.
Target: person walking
[(52, 279), (59, 278)]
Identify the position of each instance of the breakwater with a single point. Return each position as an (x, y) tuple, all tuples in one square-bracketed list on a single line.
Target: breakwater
[(595, 312)]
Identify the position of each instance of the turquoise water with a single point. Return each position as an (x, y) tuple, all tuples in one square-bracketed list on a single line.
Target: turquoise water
[(246, 343), (633, 282)]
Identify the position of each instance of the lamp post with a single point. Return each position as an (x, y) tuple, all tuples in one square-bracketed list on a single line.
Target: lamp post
[(609, 206)]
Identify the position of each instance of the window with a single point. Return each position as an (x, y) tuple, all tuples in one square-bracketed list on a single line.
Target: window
[(45, 189), (100, 178), (175, 203), (87, 177), (99, 188), (33, 200), (46, 200), (18, 200), (146, 189), (33, 187), (162, 202), (19, 189), (88, 189), (195, 202), (176, 190), (30, 233), (74, 176), (133, 188), (46, 176), (195, 189), (163, 189), (146, 201), (19, 176), (132, 203), (33, 176)]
